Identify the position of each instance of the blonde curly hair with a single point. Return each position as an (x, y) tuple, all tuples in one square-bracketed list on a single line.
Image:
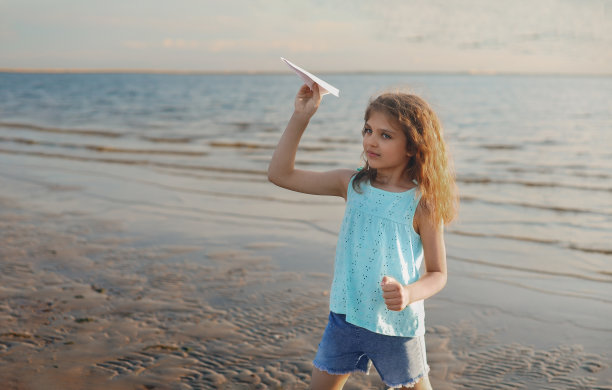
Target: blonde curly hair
[(429, 163)]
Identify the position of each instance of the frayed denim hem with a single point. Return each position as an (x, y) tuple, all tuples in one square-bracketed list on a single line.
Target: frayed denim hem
[(410, 383), (339, 372)]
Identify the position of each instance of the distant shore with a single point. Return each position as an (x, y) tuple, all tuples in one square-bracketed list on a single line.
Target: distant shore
[(271, 72)]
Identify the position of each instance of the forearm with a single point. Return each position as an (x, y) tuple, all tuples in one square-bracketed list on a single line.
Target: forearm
[(283, 159), (427, 286)]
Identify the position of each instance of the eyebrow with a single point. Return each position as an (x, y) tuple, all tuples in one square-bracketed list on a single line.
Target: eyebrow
[(388, 130)]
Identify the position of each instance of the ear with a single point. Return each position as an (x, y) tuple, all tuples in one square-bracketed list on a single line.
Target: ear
[(411, 151)]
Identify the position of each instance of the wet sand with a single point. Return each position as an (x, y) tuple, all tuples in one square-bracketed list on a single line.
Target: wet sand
[(84, 307)]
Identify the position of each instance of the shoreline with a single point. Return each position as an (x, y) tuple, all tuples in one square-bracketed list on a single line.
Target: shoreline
[(276, 73)]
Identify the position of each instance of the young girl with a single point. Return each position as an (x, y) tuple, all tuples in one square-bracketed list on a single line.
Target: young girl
[(396, 208)]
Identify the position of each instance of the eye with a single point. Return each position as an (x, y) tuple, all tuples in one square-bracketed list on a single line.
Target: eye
[(386, 136), (366, 130)]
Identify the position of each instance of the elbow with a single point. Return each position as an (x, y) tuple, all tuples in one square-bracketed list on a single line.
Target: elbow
[(270, 173), (278, 177), (443, 279), (272, 178)]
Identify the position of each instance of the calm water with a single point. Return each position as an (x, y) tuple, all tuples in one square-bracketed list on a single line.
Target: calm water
[(533, 156), (536, 149)]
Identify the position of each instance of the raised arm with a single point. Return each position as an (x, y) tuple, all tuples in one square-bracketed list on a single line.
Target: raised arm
[(282, 170)]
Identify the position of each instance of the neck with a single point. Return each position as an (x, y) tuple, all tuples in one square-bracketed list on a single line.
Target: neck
[(393, 179)]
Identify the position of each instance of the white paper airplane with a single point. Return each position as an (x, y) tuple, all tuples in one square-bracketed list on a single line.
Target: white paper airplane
[(310, 79)]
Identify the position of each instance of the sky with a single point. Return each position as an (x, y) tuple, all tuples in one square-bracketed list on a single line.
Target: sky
[(480, 36)]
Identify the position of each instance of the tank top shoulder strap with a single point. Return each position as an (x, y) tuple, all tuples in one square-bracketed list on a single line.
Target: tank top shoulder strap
[(350, 190)]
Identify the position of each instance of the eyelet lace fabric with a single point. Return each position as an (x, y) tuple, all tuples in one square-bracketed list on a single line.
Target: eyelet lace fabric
[(377, 239)]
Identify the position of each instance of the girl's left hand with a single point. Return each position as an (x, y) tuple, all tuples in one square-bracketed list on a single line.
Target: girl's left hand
[(396, 295)]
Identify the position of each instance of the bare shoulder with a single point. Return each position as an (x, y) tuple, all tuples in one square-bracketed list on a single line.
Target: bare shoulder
[(422, 218), (342, 178), (345, 176)]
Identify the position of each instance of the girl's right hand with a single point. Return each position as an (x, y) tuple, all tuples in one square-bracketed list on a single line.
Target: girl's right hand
[(307, 100)]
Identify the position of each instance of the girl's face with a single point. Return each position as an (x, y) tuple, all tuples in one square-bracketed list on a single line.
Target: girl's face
[(384, 144)]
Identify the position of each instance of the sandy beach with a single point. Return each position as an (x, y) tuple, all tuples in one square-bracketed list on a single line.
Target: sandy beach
[(85, 304), (141, 246)]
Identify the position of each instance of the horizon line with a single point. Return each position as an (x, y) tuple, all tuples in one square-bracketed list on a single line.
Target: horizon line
[(274, 72)]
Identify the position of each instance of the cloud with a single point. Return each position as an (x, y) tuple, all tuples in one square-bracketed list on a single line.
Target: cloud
[(7, 33), (182, 44), (246, 45), (136, 45), (552, 25), (444, 35), (227, 45), (167, 43)]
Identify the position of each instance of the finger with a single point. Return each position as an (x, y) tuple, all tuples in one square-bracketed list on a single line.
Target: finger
[(391, 295), (388, 281), (394, 307), (316, 92), (304, 91), (385, 280), (393, 302), (390, 287)]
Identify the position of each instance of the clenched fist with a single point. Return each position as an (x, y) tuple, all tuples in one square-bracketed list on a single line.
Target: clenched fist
[(396, 296)]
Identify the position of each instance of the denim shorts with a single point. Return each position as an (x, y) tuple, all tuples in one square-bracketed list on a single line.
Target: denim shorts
[(346, 348)]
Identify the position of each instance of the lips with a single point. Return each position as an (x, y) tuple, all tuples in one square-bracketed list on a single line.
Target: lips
[(372, 154)]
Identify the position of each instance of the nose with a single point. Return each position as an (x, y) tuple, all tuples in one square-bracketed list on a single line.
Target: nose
[(370, 140)]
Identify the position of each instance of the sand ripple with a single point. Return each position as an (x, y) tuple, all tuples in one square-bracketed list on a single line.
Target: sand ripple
[(81, 308)]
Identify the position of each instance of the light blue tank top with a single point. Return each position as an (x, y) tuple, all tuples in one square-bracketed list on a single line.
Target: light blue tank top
[(377, 239)]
